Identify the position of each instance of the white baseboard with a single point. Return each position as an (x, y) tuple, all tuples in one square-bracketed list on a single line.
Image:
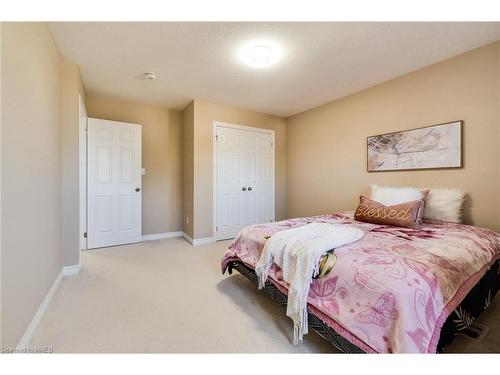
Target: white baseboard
[(160, 236), (199, 241), (71, 270), (28, 334)]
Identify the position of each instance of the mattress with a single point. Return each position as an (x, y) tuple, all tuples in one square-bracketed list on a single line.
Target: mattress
[(393, 290)]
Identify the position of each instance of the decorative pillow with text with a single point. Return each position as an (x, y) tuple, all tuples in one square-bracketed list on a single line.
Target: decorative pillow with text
[(401, 215)]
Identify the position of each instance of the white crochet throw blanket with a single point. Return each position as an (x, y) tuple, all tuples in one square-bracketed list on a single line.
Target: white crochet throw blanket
[(297, 252)]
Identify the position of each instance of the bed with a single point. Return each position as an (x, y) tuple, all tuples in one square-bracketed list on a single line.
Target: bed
[(397, 290)]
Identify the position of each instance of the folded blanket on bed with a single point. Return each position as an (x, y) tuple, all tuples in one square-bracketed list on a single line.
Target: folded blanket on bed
[(298, 252)]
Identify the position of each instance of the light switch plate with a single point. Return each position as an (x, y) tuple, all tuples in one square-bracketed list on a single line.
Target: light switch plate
[(143, 171)]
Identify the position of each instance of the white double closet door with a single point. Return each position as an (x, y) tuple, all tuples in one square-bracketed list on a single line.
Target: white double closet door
[(244, 172), (114, 183)]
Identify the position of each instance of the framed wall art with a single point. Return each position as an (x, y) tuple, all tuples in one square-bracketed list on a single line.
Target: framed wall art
[(430, 147)]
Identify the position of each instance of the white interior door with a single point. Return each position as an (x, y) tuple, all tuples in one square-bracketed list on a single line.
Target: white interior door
[(230, 174), (244, 179), (259, 178), (114, 183)]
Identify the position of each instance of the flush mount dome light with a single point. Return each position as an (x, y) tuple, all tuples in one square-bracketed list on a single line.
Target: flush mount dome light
[(260, 54)]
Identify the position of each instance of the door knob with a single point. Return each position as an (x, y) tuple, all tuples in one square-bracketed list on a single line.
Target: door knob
[(243, 188), (249, 188), (137, 189)]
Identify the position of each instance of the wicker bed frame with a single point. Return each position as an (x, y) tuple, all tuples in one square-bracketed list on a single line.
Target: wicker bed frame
[(315, 323), (475, 302)]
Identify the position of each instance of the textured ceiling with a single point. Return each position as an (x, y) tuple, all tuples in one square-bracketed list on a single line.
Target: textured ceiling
[(321, 61)]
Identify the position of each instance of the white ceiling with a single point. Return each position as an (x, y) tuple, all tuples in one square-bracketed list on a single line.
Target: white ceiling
[(321, 62)]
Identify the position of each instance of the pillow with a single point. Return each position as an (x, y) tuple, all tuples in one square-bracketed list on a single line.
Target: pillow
[(445, 205), (395, 195), (401, 215)]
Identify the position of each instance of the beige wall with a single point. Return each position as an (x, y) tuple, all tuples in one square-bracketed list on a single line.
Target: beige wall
[(188, 168), (326, 146), (205, 114), (32, 255), (161, 157), (72, 87)]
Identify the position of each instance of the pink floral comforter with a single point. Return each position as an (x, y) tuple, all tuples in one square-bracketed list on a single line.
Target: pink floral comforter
[(392, 290)]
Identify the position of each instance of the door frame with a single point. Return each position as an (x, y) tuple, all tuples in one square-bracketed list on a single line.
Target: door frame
[(82, 175), (215, 125)]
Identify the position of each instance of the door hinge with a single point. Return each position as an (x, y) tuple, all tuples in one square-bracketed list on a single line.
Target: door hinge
[(216, 137), (85, 235), (272, 144)]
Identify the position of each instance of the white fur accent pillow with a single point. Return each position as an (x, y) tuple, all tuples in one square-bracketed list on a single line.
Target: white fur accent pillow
[(445, 205), (441, 204), (390, 196)]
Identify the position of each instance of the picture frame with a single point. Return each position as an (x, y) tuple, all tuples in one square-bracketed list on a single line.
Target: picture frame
[(436, 146)]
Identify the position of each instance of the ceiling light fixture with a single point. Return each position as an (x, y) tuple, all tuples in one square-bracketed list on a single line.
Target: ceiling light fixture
[(260, 54), (150, 76)]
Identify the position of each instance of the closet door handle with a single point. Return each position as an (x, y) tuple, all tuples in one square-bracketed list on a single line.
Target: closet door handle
[(243, 188), (249, 188)]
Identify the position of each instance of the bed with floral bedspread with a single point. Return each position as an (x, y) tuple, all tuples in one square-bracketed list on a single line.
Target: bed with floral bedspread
[(397, 289)]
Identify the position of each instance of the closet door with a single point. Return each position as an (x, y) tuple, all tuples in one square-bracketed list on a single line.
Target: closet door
[(244, 186), (259, 178), (230, 184)]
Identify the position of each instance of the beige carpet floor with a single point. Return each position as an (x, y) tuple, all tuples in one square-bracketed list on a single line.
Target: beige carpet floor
[(169, 297)]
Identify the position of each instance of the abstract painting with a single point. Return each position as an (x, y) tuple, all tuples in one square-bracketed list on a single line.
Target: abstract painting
[(436, 146)]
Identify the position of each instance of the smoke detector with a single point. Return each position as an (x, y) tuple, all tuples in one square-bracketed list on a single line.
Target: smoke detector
[(149, 76)]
